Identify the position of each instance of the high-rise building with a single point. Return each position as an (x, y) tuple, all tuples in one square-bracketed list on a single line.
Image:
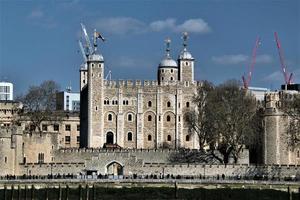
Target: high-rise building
[(6, 91)]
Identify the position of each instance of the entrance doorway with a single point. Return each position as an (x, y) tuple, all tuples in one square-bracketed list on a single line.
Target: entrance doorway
[(109, 138), (114, 169)]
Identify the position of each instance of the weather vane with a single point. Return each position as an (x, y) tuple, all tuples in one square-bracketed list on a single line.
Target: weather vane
[(185, 37), (168, 42)]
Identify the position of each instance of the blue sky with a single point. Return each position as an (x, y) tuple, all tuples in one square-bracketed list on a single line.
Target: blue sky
[(38, 39)]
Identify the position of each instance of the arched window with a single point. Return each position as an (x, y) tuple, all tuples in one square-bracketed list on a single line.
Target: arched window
[(298, 154), (187, 104), (172, 71), (168, 104), (109, 117), (113, 102), (149, 104), (162, 78), (149, 118), (126, 102), (129, 136), (129, 117), (149, 137), (169, 138), (171, 78), (168, 118), (116, 102), (187, 138)]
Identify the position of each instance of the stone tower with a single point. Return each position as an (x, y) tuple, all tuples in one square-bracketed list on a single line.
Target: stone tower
[(167, 69), (275, 139), (95, 64), (186, 62), (83, 75)]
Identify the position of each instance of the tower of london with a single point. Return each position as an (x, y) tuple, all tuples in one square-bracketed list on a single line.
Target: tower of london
[(136, 114)]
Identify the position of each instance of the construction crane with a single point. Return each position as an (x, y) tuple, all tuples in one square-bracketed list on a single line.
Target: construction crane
[(287, 77), (84, 54), (246, 81), (108, 76), (89, 49)]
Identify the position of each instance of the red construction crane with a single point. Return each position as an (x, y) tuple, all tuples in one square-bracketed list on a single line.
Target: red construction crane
[(247, 80), (287, 76)]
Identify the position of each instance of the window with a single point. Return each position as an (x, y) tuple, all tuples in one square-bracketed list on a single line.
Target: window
[(67, 139), (162, 78), (171, 78), (149, 118), (5, 159), (41, 158), (172, 71), (68, 127), (116, 102), (168, 118), (187, 138), (169, 138), (129, 117), (129, 136), (158, 118), (149, 104), (106, 102), (44, 127), (78, 139), (78, 127), (56, 127), (168, 104), (179, 118), (298, 154), (187, 63), (187, 104), (149, 137), (162, 71), (109, 117), (126, 102)]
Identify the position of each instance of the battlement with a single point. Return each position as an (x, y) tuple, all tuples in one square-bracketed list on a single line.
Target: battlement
[(147, 83), (102, 150)]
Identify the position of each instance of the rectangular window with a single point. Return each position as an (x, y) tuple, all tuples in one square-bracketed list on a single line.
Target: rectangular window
[(68, 139), (56, 127), (41, 158), (44, 127), (78, 139), (68, 127), (78, 127)]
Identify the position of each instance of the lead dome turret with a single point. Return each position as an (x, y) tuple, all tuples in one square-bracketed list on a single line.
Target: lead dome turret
[(167, 68)]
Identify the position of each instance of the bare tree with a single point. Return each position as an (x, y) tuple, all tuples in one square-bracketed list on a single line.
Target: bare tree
[(291, 108), (225, 120), (198, 120), (39, 105), (233, 111)]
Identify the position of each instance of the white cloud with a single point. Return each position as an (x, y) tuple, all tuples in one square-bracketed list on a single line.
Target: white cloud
[(264, 59), (130, 62), (36, 14), (161, 25), (274, 76), (230, 59), (241, 58), (125, 25), (194, 26), (190, 25), (37, 17), (120, 25)]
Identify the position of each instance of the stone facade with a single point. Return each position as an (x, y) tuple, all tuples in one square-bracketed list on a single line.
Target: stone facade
[(136, 114), (275, 139)]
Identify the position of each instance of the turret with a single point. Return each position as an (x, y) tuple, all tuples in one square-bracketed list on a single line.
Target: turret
[(186, 62), (167, 69)]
